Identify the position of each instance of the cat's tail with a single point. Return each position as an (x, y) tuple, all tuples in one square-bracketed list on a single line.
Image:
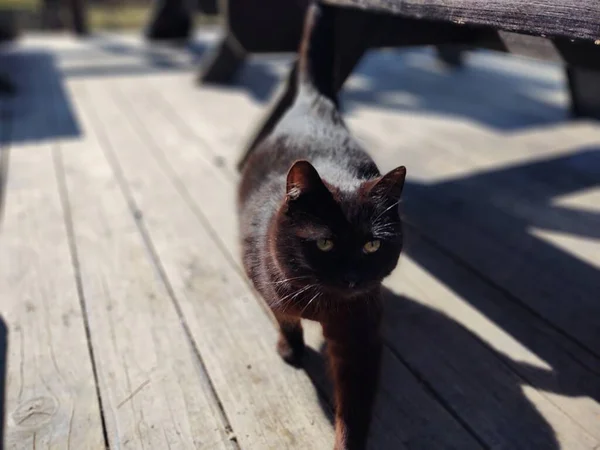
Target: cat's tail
[(316, 66)]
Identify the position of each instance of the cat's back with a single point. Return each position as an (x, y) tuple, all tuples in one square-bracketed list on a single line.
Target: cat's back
[(313, 132)]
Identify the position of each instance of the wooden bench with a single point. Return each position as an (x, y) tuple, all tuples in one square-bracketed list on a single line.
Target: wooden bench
[(273, 27), (565, 31)]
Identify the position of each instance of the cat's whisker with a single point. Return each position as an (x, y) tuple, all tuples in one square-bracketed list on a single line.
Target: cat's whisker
[(386, 224), (310, 301), (386, 210), (292, 296), (288, 280), (285, 306)]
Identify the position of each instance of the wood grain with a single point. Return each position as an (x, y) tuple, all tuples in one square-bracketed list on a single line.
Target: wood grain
[(563, 388), (51, 400), (270, 405), (155, 391), (552, 18), (485, 216)]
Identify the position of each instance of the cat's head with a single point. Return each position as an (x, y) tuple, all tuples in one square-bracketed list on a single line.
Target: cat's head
[(343, 242)]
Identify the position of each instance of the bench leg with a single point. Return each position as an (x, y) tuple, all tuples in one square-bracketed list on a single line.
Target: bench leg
[(51, 15), (169, 20), (79, 18), (452, 56), (222, 63), (584, 87)]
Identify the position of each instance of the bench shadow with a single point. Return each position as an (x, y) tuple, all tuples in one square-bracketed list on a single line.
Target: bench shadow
[(5, 128), (484, 90), (414, 81), (427, 343), (136, 59), (38, 80), (488, 221), (260, 76), (404, 80)]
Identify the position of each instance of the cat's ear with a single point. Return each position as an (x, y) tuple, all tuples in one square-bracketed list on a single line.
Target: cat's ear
[(303, 178), (391, 184)]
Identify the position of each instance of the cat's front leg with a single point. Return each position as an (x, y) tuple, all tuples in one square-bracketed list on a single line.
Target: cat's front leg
[(290, 345), (355, 358)]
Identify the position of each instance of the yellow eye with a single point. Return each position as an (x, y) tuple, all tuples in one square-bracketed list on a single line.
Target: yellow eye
[(372, 246), (324, 244)]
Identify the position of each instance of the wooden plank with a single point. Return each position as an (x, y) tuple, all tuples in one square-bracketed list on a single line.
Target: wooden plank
[(501, 394), (586, 246), (490, 230), (526, 327), (155, 391), (478, 220), (406, 415), (411, 89), (546, 361), (270, 405), (51, 400), (392, 74), (570, 19)]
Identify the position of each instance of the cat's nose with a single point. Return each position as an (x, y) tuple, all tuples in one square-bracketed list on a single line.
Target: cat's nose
[(351, 279)]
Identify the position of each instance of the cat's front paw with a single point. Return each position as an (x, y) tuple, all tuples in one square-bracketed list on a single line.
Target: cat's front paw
[(291, 352)]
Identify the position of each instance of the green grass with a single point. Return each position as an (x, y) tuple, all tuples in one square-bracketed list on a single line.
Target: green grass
[(117, 18), (122, 17), (129, 17), (19, 4)]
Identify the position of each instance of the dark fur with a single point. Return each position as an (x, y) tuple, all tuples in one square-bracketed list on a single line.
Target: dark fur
[(308, 180)]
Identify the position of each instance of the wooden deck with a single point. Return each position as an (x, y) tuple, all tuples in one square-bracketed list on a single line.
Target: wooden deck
[(132, 327)]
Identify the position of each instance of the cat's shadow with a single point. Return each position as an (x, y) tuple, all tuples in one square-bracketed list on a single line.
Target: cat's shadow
[(441, 387)]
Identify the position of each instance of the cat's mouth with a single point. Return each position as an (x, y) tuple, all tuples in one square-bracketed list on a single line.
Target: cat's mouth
[(352, 290)]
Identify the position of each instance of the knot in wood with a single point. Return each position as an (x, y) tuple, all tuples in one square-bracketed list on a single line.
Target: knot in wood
[(35, 412)]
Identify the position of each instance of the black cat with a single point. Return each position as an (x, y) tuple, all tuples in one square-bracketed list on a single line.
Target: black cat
[(320, 230)]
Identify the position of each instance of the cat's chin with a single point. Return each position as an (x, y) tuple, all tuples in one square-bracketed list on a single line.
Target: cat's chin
[(353, 293)]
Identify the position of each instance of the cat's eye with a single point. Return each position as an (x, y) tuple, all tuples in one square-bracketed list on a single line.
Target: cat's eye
[(372, 246), (324, 245)]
